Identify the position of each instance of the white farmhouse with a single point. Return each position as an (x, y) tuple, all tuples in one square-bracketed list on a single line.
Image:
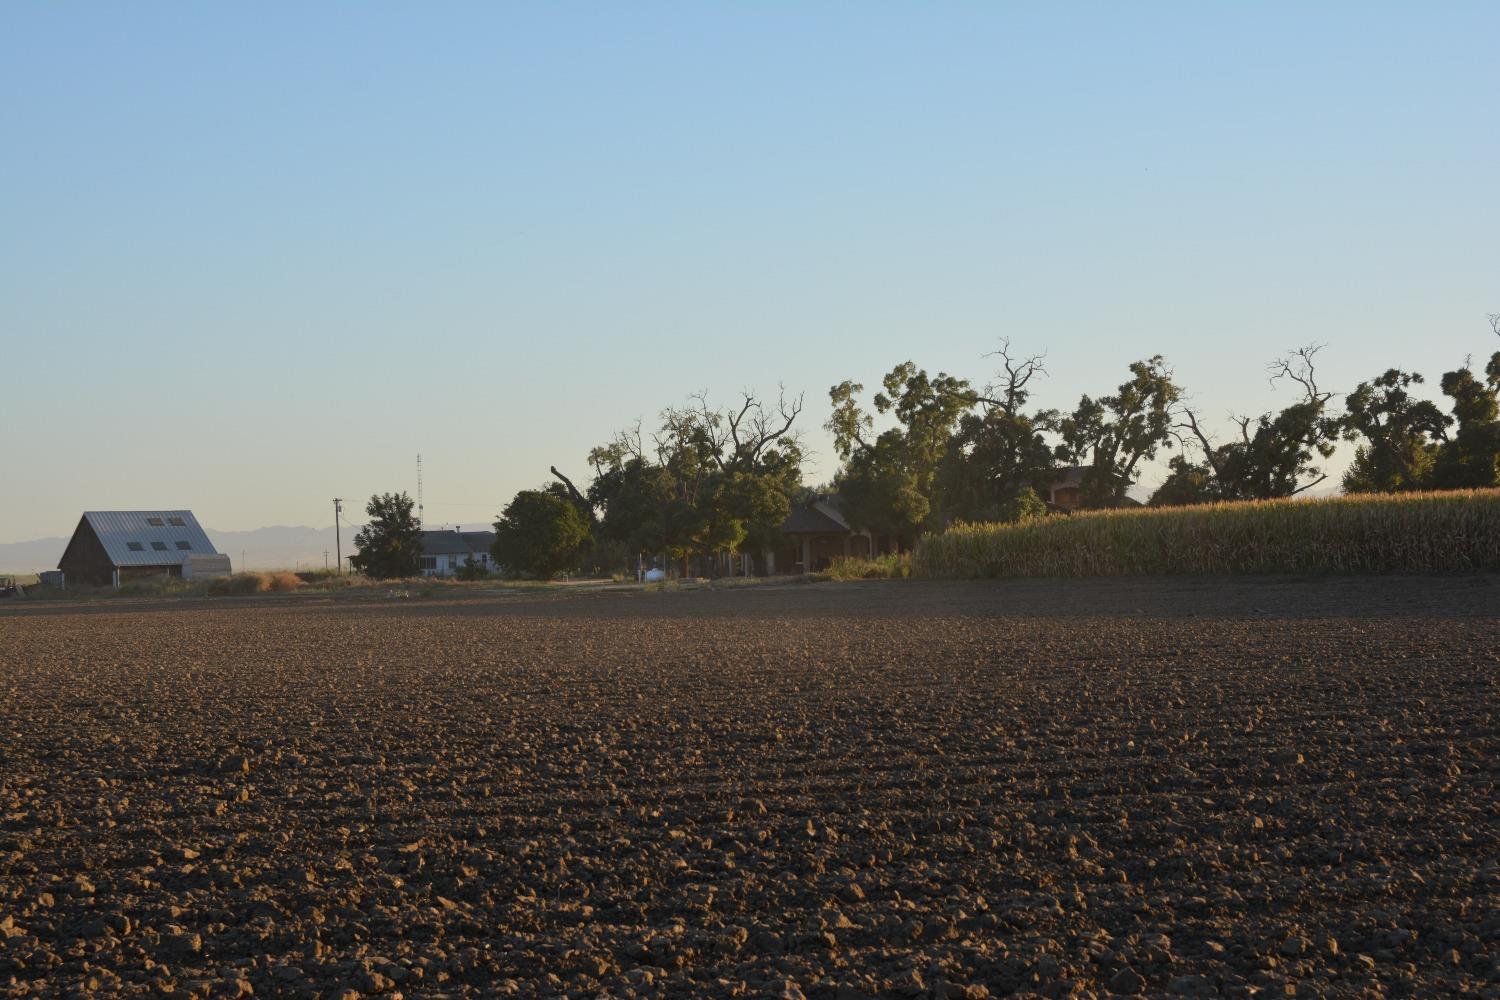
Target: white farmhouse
[(443, 552)]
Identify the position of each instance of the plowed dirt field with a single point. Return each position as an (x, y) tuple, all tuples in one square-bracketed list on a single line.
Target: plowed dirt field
[(1192, 787)]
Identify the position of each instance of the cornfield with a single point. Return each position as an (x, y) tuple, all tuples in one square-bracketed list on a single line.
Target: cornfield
[(1403, 533)]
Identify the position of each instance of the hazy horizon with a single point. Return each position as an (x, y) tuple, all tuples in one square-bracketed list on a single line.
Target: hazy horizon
[(257, 258)]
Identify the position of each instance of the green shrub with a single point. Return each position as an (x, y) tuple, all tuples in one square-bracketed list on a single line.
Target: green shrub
[(472, 569), (156, 586), (891, 566), (1404, 533)]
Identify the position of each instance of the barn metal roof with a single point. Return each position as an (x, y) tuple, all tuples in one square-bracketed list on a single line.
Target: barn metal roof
[(118, 528)]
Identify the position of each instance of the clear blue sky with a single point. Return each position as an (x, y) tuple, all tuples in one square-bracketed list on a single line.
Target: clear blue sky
[(255, 256)]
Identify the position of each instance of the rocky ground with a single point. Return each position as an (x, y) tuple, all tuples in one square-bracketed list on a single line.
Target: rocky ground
[(889, 789)]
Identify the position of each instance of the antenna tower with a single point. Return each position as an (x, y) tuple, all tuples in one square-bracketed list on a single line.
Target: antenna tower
[(419, 486)]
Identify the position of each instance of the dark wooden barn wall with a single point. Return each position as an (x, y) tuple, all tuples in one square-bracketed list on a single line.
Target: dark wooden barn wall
[(84, 560)]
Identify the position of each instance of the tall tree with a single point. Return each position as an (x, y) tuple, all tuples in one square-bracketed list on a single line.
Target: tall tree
[(1187, 482), (1470, 457), (742, 438), (632, 494), (890, 484), (539, 534), (1276, 454), (999, 451), (711, 481), (1400, 435), (881, 492), (690, 446), (759, 503), (390, 545), (1111, 436)]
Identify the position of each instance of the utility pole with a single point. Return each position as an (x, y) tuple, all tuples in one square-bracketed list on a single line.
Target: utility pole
[(338, 545), (325, 560)]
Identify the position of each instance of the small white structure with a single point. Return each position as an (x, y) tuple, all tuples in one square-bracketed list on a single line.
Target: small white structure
[(205, 566)]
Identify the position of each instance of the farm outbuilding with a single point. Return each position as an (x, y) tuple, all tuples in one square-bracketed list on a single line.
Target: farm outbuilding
[(110, 547)]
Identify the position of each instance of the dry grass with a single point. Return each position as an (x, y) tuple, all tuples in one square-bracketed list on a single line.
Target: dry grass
[(1405, 533), (222, 586), (252, 583), (240, 583)]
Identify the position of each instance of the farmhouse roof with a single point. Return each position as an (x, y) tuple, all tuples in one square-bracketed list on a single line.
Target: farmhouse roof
[(822, 515), (149, 537), (1071, 475), (456, 543), (479, 541)]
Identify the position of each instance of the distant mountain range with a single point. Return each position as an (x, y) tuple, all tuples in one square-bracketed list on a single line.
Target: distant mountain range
[(277, 547)]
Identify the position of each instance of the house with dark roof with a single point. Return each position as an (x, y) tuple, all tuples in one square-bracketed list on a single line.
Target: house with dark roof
[(1064, 491), (110, 547), (818, 532), (444, 551)]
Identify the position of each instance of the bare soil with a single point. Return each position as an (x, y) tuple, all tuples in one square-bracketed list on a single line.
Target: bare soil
[(1186, 786)]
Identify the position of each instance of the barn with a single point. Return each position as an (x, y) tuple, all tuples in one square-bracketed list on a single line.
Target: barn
[(110, 547)]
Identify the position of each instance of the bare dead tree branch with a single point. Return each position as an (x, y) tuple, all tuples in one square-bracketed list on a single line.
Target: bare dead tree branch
[(704, 419), (1310, 485), (572, 490), (748, 403), (1008, 391), (1210, 452), (1244, 425), (626, 445), (768, 429), (754, 427), (1300, 366)]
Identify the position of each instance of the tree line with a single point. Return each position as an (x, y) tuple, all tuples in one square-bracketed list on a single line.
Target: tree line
[(710, 482), (713, 483)]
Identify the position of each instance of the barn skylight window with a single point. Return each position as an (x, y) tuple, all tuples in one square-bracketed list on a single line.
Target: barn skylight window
[(155, 522), (176, 522), (185, 546), (135, 546), (159, 546)]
